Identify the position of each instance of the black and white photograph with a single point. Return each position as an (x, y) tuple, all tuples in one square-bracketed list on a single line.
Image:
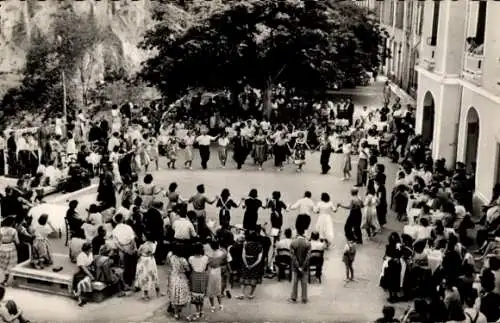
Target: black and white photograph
[(249, 161)]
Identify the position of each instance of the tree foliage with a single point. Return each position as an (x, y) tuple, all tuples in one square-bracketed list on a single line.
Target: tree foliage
[(309, 45), (66, 48)]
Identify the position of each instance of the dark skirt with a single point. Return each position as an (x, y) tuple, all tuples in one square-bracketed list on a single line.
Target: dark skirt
[(253, 276), (199, 282)]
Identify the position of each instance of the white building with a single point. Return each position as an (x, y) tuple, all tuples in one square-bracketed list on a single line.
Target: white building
[(403, 22), (458, 97)]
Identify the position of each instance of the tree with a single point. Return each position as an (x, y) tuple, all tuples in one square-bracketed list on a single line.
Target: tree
[(308, 45), (76, 37), (67, 47)]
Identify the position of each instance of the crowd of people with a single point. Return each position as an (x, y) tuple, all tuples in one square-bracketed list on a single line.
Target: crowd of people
[(135, 225)]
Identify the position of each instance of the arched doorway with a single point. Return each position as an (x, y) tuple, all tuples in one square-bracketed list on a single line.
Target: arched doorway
[(472, 138), (428, 117)]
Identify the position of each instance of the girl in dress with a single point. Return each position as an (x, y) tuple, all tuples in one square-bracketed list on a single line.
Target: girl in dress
[(324, 225), (223, 142), (8, 251), (114, 159), (146, 277), (172, 148), (41, 255), (153, 151), (299, 148), (348, 259), (179, 291), (371, 224), (225, 204), (217, 258), (260, 144), (347, 152), (189, 142), (199, 279)]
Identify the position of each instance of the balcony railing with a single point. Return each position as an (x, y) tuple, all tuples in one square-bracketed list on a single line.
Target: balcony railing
[(428, 59), (473, 68)]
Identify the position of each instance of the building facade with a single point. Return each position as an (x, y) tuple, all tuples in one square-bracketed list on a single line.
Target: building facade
[(403, 22), (458, 96)]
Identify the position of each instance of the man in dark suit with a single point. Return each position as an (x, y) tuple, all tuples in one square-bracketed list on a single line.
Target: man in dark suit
[(153, 223), (350, 111)]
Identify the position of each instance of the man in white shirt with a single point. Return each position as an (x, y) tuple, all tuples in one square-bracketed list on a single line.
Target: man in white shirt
[(183, 228), (204, 141), (286, 241), (305, 205), (316, 244)]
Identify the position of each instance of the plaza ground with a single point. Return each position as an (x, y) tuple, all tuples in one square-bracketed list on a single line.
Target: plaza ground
[(333, 300)]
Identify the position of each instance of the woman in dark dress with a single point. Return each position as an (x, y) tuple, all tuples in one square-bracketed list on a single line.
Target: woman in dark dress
[(277, 207), (225, 203), (106, 189), (240, 149), (391, 278), (251, 206), (253, 265), (381, 196)]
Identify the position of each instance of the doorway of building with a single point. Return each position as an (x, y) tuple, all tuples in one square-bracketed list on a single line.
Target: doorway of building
[(428, 117), (472, 139)]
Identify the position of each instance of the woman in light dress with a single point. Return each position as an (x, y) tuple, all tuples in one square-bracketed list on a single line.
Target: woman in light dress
[(146, 278), (370, 223), (217, 258), (223, 142), (116, 120), (8, 252), (324, 225), (188, 150), (347, 152), (179, 291), (114, 158), (154, 152)]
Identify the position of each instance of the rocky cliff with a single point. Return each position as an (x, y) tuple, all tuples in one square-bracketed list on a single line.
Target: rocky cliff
[(122, 22)]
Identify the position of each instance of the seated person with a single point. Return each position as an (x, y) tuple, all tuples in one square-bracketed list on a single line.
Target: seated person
[(94, 220), (75, 245), (286, 241), (99, 240), (106, 270), (53, 175), (316, 243), (82, 280), (9, 312)]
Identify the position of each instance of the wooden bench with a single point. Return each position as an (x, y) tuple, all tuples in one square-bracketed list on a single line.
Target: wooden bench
[(59, 283)]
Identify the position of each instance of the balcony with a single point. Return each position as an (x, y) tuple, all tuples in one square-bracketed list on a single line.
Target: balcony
[(428, 59), (473, 68)]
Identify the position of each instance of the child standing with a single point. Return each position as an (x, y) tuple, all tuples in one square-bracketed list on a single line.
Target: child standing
[(146, 278), (223, 142), (189, 142), (172, 152), (217, 258), (348, 259), (199, 279), (347, 151)]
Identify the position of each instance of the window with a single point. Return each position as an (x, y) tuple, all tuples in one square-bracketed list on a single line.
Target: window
[(391, 13), (400, 14), (420, 18), (435, 24), (481, 23)]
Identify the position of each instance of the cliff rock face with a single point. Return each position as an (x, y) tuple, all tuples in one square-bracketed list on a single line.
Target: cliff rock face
[(122, 22)]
